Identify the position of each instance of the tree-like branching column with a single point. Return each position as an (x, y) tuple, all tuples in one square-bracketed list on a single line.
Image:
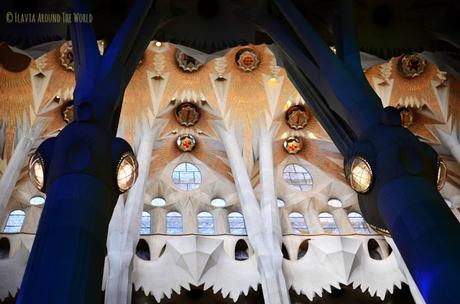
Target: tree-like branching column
[(402, 196), (67, 258)]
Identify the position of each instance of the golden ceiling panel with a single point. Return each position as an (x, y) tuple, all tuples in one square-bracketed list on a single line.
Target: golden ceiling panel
[(16, 95), (62, 80), (423, 94), (247, 103), (417, 91), (137, 100)]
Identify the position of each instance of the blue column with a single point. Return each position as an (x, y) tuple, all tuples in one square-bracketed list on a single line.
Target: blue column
[(67, 258)]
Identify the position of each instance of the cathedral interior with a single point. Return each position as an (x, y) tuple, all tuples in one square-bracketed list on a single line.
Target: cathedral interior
[(216, 151)]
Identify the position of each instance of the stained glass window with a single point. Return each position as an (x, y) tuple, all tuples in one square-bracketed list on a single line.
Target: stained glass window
[(158, 202), (280, 203), (358, 223), (236, 223), (145, 223), (298, 177), (15, 221), (174, 223), (327, 221), (333, 202), (218, 202), (298, 223), (186, 176), (37, 200), (205, 222)]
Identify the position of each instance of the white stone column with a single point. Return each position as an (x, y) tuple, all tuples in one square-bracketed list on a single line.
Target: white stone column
[(271, 216), (341, 219), (18, 160), (158, 217), (312, 220), (220, 220), (285, 223), (248, 200), (255, 227), (31, 220), (125, 223), (189, 219), (268, 205)]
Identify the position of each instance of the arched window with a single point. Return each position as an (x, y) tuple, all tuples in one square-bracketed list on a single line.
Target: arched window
[(328, 223), (303, 248), (205, 222), (358, 223), (218, 202), (143, 250), (241, 250), (298, 223), (158, 202), (186, 176), (280, 203), (334, 202), (298, 177), (15, 220), (37, 200), (236, 223), (145, 223), (174, 223)]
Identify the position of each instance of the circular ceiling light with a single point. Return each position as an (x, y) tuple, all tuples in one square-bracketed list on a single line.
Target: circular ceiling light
[(293, 144), (158, 202), (187, 114), (442, 174), (187, 63), (68, 112), (297, 117), (37, 200), (186, 143), (411, 66), (407, 117), (359, 174), (66, 55), (218, 202), (334, 202), (37, 170), (247, 59), (126, 172)]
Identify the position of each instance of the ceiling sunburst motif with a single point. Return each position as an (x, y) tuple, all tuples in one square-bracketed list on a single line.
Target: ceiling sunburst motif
[(423, 89), (293, 144), (247, 59), (297, 117), (186, 142), (187, 63), (187, 114), (411, 66), (219, 90)]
